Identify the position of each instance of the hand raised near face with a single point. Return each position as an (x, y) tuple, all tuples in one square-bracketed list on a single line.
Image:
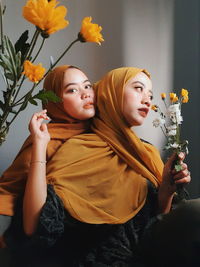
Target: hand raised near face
[(38, 128)]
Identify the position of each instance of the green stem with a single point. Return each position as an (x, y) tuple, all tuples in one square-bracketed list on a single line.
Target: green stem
[(19, 110), (56, 62), (32, 44), (39, 50), (163, 131), (17, 92)]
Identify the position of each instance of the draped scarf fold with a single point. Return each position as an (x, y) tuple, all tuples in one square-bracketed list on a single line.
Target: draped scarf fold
[(102, 177), (62, 127)]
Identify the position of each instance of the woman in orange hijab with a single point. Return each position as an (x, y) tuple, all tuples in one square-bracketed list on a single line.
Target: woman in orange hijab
[(103, 187), (63, 125)]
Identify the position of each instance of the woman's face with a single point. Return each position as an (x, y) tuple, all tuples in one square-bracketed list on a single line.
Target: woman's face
[(137, 99), (78, 95)]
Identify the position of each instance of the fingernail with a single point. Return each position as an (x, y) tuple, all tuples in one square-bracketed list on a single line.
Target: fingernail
[(181, 154)]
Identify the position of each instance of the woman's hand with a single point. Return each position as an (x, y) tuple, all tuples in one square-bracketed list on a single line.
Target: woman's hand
[(171, 178), (38, 129)]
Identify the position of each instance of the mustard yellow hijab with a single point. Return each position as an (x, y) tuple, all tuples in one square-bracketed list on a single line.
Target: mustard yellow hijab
[(62, 127), (102, 177)]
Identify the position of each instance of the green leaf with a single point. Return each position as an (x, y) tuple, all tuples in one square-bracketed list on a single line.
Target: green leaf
[(2, 106), (33, 102), (9, 76), (5, 62), (12, 54), (47, 96), (178, 167), (22, 46), (24, 105)]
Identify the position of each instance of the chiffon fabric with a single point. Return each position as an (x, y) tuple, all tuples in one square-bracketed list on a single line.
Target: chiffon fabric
[(101, 177)]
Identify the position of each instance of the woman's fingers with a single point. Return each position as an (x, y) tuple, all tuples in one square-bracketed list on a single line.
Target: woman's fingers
[(182, 176), (41, 115)]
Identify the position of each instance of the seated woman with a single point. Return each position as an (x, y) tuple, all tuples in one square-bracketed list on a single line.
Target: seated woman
[(69, 117), (103, 187)]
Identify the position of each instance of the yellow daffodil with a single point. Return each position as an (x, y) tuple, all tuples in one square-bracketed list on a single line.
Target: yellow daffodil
[(33, 72), (90, 32), (45, 15), (154, 107), (184, 92), (163, 96)]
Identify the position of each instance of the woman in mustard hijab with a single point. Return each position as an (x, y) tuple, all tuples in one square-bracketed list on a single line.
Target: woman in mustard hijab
[(67, 119), (103, 187)]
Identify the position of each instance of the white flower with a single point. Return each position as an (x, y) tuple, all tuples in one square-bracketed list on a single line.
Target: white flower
[(171, 133), (174, 113), (179, 119), (174, 108), (175, 145), (172, 127), (158, 122)]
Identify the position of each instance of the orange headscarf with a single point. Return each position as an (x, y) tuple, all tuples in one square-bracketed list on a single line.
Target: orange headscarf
[(102, 177), (62, 127)]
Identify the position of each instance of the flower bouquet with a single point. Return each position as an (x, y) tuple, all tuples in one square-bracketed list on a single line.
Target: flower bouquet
[(17, 61), (170, 123)]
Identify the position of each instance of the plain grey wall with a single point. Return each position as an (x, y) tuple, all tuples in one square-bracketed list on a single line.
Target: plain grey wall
[(153, 34), (186, 74)]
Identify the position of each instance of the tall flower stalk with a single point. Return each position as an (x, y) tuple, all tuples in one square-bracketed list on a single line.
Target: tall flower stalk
[(17, 60)]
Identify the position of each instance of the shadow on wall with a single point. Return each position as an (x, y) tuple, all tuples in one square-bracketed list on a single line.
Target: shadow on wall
[(186, 75)]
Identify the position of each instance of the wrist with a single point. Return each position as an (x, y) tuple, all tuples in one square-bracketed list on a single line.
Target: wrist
[(37, 142), (165, 200)]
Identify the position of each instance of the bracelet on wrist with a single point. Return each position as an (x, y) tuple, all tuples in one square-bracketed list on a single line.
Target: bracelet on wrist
[(39, 161)]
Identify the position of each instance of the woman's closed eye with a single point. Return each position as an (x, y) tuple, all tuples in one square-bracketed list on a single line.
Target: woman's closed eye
[(139, 88)]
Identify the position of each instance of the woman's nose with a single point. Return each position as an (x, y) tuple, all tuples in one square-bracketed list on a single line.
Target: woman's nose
[(85, 95), (146, 100)]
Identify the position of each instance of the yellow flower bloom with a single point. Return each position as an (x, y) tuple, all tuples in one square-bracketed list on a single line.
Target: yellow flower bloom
[(45, 15), (154, 107), (33, 72), (163, 96), (184, 92), (90, 32), (185, 99), (173, 97)]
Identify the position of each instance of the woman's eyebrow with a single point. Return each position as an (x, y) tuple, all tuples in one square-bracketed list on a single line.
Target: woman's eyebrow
[(138, 82), (86, 81), (75, 83), (142, 85)]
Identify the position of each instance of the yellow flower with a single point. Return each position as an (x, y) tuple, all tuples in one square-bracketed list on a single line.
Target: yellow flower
[(163, 96), (173, 97), (90, 32), (185, 99), (184, 92), (33, 72), (154, 107), (45, 15)]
